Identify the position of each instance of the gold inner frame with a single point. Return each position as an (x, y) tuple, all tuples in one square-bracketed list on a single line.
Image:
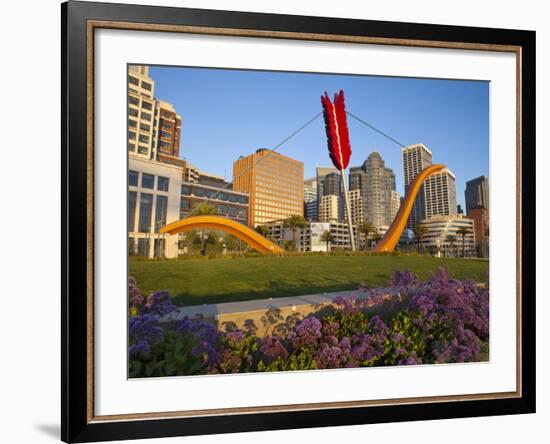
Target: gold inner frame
[(92, 25)]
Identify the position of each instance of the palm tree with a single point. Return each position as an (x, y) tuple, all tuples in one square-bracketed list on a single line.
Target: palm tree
[(204, 210), (294, 222), (419, 232), (451, 241), (328, 238), (367, 228), (463, 231), (262, 229)]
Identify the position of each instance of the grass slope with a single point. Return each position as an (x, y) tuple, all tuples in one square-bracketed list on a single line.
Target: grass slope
[(206, 281)]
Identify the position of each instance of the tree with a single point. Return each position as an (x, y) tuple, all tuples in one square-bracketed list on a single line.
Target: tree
[(451, 240), (419, 232), (463, 231), (190, 239), (262, 229), (204, 210), (231, 242), (327, 237), (294, 222), (367, 229)]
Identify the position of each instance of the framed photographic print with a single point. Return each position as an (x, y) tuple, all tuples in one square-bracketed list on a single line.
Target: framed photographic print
[(276, 221)]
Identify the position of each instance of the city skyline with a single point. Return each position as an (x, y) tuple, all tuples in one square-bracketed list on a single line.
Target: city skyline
[(450, 117)]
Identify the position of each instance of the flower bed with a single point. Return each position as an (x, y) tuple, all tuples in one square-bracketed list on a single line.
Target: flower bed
[(441, 320)]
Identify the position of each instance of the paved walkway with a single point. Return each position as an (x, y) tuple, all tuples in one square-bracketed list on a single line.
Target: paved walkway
[(301, 304)]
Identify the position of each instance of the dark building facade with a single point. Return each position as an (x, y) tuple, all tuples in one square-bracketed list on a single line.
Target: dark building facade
[(477, 194), (230, 204)]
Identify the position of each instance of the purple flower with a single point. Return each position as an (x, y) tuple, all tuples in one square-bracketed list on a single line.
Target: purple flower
[(158, 303), (307, 332), (205, 336), (273, 348), (143, 332), (235, 336)]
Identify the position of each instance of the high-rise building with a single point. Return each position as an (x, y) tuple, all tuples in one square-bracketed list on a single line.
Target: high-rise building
[(321, 173), (395, 205), (440, 192), (477, 194), (356, 207), (376, 183), (415, 159), (480, 217), (330, 208), (310, 200), (332, 184), (167, 131), (437, 196), (141, 111), (274, 182)]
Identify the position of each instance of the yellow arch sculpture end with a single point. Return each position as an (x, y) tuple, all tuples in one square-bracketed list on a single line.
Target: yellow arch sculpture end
[(246, 234), (391, 238)]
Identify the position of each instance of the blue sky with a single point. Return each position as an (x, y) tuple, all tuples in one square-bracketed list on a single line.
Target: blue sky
[(228, 113)]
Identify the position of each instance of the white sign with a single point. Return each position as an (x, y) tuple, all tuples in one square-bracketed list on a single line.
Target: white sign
[(317, 229)]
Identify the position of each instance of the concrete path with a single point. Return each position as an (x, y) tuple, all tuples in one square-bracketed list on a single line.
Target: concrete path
[(301, 304)]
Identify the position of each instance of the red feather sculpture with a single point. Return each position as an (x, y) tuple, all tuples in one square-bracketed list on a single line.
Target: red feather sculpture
[(339, 147), (336, 125)]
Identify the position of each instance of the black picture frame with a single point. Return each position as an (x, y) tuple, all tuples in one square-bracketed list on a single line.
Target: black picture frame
[(76, 423)]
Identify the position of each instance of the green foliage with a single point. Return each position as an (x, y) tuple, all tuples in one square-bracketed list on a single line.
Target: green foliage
[(173, 356), (300, 360), (263, 230)]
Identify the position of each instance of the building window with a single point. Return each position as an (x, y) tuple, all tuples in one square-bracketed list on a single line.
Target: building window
[(147, 105), (133, 100), (159, 246), (143, 150), (146, 85), (143, 247), (145, 116), (147, 181), (133, 112), (131, 135), (133, 178), (163, 183), (184, 204), (160, 212), (185, 190), (143, 138), (145, 209), (131, 146), (132, 123), (133, 80), (131, 246), (132, 196), (145, 127)]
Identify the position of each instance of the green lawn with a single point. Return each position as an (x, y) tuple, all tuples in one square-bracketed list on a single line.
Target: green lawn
[(206, 281)]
